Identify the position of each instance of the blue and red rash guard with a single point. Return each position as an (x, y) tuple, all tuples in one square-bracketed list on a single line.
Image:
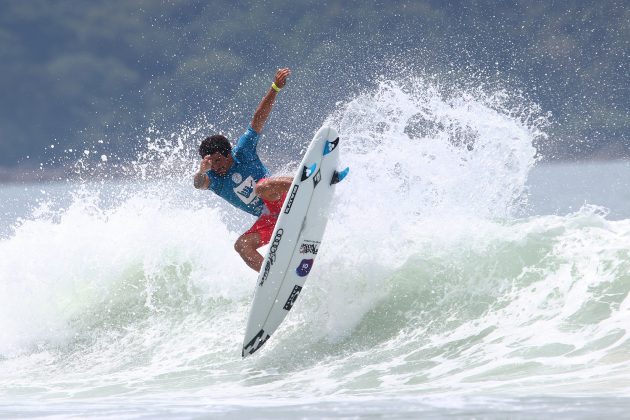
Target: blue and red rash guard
[(237, 185)]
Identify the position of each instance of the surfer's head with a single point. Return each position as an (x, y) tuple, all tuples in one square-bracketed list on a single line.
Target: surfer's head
[(213, 144), (219, 149)]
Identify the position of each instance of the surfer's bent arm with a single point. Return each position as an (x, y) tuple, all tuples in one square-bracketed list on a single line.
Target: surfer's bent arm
[(264, 108), (200, 179)]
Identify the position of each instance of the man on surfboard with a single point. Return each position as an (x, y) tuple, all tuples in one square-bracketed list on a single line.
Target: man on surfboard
[(237, 175)]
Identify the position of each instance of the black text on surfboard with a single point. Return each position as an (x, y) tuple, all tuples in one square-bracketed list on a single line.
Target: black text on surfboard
[(272, 256), (253, 341), (294, 191), (317, 178), (294, 294)]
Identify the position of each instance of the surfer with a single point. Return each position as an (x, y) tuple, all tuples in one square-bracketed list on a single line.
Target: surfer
[(237, 175)]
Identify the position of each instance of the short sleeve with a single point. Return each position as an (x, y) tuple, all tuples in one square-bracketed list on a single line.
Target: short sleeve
[(245, 149)]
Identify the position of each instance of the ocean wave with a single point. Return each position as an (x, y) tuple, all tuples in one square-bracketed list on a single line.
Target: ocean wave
[(427, 281)]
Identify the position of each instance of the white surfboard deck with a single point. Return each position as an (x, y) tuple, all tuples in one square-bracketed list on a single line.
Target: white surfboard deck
[(295, 240)]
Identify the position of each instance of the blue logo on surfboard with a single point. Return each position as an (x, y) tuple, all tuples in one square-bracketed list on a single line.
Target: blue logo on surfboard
[(305, 267)]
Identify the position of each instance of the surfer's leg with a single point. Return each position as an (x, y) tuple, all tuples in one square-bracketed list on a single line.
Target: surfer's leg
[(258, 235), (272, 189), (246, 245)]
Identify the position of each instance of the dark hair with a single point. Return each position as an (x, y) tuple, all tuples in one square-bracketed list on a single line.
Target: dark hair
[(213, 144)]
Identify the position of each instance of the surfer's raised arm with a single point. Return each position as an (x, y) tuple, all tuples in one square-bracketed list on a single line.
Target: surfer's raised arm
[(264, 108), (237, 175)]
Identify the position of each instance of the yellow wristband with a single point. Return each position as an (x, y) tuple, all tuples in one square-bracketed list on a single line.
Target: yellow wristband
[(274, 87)]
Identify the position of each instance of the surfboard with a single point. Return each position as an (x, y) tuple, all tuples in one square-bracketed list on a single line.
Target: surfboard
[(295, 240)]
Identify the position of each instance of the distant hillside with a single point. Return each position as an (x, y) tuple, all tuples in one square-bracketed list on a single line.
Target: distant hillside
[(74, 72)]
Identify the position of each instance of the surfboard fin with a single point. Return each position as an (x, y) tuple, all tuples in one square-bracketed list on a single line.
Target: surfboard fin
[(308, 171), (339, 176), (330, 146)]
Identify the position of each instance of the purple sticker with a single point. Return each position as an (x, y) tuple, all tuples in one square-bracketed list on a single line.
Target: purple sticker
[(305, 267)]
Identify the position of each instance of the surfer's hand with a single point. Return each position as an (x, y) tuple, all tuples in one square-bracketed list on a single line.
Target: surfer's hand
[(206, 164), (281, 77)]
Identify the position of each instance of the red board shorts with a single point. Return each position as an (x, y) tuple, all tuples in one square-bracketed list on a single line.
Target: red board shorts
[(267, 221)]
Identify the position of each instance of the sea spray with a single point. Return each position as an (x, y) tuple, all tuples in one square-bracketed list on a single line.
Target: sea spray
[(417, 153)]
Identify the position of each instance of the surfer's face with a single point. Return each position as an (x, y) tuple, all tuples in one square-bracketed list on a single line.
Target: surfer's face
[(220, 164)]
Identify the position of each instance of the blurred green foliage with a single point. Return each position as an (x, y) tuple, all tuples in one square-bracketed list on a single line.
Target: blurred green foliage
[(72, 72)]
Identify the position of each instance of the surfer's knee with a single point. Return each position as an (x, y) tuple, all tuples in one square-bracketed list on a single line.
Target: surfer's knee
[(246, 247), (245, 243), (240, 245)]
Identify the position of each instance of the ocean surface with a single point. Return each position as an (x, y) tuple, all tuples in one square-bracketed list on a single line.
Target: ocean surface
[(459, 277)]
